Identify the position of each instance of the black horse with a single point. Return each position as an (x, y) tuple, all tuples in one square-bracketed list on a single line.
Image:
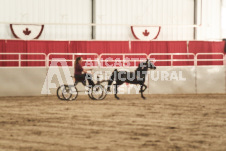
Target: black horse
[(137, 77)]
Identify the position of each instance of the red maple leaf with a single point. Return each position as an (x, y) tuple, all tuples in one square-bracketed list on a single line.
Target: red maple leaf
[(27, 31), (146, 33)]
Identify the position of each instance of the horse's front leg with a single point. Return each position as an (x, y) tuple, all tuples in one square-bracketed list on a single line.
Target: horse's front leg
[(145, 87), (141, 90)]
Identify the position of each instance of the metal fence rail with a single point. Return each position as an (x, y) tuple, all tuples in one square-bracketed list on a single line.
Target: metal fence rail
[(172, 60), (222, 59), (138, 57), (72, 55), (124, 58), (20, 60)]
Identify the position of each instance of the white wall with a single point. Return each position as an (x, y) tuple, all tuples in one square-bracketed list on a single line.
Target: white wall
[(31, 81), (223, 19), (131, 12), (21, 81), (214, 82), (48, 11), (180, 86), (144, 12), (211, 21)]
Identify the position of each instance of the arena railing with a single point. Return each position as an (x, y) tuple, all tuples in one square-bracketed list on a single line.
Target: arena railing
[(125, 58), (91, 57), (172, 59), (211, 61), (19, 59)]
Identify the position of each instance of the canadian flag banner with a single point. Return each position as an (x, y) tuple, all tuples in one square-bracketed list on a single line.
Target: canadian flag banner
[(26, 31), (147, 33)]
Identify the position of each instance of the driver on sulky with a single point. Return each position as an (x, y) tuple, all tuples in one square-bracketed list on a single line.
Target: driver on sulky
[(81, 74)]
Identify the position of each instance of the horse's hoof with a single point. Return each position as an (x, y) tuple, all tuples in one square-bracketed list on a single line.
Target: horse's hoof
[(144, 98), (117, 98)]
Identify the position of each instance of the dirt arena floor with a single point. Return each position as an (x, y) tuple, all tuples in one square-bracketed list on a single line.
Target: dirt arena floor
[(161, 122)]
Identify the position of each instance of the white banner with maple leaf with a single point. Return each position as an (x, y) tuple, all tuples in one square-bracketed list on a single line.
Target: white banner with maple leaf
[(26, 31), (146, 33)]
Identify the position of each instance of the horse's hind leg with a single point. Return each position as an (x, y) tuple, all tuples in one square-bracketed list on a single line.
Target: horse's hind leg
[(111, 79), (116, 91), (118, 83)]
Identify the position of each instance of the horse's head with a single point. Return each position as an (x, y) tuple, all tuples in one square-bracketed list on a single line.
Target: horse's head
[(150, 64), (144, 66)]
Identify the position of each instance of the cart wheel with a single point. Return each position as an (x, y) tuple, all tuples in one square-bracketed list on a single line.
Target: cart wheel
[(74, 93), (90, 94), (98, 92), (66, 92), (60, 91), (104, 93)]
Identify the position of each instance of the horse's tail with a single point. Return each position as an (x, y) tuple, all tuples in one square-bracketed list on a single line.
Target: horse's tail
[(112, 78)]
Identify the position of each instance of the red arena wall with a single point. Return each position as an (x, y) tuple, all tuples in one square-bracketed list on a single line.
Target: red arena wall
[(19, 46)]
